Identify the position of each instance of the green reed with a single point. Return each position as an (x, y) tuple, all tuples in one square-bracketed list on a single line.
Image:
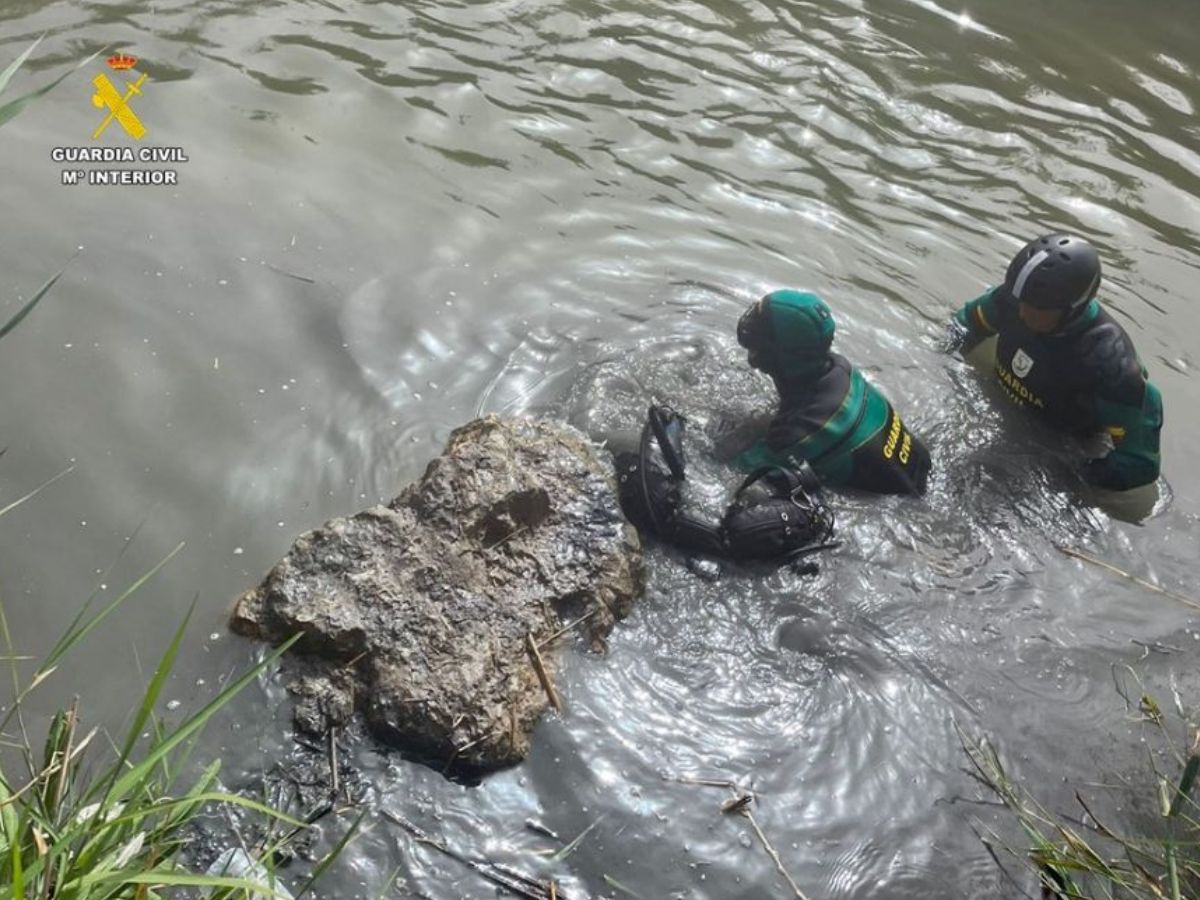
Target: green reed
[(1086, 858), (9, 109), (83, 817)]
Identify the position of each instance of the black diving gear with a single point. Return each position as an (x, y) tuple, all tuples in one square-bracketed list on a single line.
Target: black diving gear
[(777, 513)]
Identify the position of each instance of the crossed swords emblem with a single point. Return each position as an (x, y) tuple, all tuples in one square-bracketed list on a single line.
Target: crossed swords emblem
[(118, 106)]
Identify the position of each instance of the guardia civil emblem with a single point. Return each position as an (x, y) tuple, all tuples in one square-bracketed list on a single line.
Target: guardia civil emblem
[(1022, 362), (108, 96)]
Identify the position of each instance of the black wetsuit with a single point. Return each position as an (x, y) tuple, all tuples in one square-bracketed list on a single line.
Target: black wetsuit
[(1085, 378), (841, 425)]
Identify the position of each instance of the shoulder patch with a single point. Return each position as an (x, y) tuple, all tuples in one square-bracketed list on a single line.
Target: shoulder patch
[(1108, 358)]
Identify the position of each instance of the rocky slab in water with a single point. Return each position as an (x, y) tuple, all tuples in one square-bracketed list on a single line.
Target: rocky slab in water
[(417, 613)]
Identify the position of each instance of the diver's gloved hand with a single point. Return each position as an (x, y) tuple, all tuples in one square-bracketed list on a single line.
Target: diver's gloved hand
[(1102, 473), (731, 434), (722, 426), (954, 339), (727, 436)]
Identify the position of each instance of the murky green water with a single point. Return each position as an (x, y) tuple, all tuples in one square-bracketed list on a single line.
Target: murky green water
[(394, 217)]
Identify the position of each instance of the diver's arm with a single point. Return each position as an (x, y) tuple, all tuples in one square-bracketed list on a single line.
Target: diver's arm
[(760, 455), (973, 323), (778, 447), (1134, 428)]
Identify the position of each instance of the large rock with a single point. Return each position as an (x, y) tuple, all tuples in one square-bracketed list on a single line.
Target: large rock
[(417, 613)]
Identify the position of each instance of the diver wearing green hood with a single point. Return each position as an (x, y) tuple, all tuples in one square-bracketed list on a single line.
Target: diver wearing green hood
[(829, 415)]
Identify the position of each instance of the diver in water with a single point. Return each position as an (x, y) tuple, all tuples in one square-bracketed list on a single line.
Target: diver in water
[(829, 415), (1060, 355)]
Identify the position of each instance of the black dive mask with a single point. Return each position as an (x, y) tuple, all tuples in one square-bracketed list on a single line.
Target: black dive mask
[(752, 334)]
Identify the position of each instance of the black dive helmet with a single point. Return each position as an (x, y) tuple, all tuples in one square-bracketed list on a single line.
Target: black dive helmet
[(1055, 271)]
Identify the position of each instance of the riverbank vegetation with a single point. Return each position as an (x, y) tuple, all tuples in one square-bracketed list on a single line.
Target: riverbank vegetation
[(9, 109), (88, 817), (1080, 854), (85, 817)]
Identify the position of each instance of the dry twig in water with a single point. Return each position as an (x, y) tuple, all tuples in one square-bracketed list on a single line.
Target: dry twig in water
[(1149, 585), (740, 804), (570, 625), (540, 668), (504, 876), (334, 787)]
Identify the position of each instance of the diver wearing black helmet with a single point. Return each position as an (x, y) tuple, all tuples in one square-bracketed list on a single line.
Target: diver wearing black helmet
[(1059, 354)]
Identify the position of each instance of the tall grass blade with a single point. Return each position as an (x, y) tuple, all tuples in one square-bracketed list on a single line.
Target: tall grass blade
[(37, 490), (206, 797), (10, 109), (75, 635), (574, 845), (129, 541), (1185, 784), (33, 301), (149, 699), (153, 691), (1172, 872), (17, 872), (11, 658), (9, 825), (197, 721), (168, 877), (613, 883), (333, 854), (8, 73)]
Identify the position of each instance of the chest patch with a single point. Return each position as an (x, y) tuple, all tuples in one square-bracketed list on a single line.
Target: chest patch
[(1022, 363)]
